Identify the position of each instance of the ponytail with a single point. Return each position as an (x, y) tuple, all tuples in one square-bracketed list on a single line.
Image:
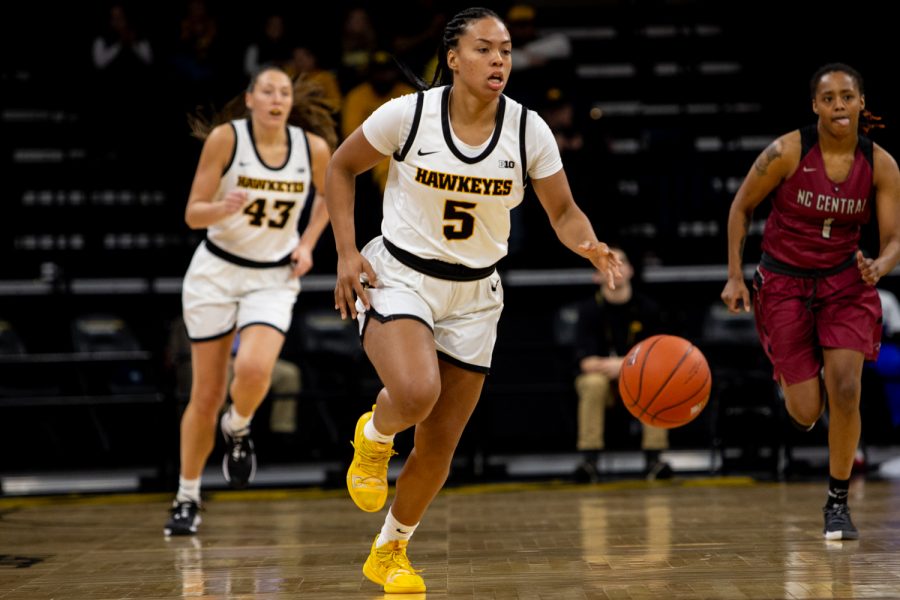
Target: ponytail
[(869, 122), (311, 110)]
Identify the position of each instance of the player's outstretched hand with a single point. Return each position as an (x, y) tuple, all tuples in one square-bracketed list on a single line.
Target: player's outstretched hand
[(603, 259)]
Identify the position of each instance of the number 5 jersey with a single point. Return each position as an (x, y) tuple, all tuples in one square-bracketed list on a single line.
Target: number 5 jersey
[(444, 199)]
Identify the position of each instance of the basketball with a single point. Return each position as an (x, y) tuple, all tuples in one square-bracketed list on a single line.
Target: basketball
[(665, 381)]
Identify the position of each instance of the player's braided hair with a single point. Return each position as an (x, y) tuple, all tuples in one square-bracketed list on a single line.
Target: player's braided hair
[(867, 120), (454, 28), (310, 110)]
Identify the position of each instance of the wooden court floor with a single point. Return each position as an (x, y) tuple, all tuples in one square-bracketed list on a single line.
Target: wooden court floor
[(716, 539)]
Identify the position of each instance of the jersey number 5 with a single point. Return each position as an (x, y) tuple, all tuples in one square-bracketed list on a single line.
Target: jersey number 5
[(257, 212), (463, 225), (826, 228)]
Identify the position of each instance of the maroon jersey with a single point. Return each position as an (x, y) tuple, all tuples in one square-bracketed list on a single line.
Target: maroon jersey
[(815, 222)]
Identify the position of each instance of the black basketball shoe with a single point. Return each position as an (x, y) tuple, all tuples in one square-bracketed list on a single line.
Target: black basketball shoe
[(239, 462), (586, 472), (184, 517), (659, 469), (838, 525)]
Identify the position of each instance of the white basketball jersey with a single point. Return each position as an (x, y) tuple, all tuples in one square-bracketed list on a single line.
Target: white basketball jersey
[(265, 230), (440, 203)]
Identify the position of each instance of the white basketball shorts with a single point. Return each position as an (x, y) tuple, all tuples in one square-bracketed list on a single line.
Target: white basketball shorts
[(218, 296), (462, 314)]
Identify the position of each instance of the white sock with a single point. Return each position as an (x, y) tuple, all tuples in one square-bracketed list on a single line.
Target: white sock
[(394, 530), (374, 435), (188, 490), (235, 421)]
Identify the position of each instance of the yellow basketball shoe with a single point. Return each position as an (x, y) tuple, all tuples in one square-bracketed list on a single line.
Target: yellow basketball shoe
[(367, 475), (388, 565)]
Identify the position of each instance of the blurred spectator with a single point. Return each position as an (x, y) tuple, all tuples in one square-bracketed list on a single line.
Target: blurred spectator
[(890, 314), (271, 47), (531, 48), (417, 33), (383, 84), (123, 62), (305, 62), (609, 324), (121, 48), (536, 56), (196, 60), (559, 113), (358, 42), (888, 364)]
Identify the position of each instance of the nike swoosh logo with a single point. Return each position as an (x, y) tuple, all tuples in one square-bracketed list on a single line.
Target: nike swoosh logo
[(367, 482), (494, 286), (808, 169), (427, 153), (396, 573), (243, 164)]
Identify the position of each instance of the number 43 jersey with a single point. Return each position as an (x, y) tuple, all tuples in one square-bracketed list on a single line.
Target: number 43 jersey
[(265, 229), (447, 200)]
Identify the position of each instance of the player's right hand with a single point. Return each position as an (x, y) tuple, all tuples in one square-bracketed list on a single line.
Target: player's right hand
[(868, 268), (734, 294), (354, 275), (603, 259), (233, 201)]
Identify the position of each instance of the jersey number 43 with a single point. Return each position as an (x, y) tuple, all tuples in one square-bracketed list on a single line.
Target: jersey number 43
[(258, 213)]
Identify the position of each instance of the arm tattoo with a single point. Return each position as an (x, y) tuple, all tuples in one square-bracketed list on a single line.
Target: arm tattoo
[(767, 157)]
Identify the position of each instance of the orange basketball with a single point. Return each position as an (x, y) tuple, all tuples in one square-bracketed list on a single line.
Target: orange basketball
[(665, 381)]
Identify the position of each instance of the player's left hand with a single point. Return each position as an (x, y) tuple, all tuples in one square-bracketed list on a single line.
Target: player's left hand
[(869, 268), (603, 259), (301, 260)]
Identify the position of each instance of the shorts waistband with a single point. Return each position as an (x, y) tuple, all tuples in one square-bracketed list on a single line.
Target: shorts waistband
[(245, 262), (438, 268), (776, 266)]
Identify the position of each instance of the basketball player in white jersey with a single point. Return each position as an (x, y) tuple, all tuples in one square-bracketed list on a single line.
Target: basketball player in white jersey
[(254, 177), (426, 292)]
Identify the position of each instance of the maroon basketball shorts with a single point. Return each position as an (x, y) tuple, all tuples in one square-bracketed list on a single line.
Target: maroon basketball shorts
[(796, 317)]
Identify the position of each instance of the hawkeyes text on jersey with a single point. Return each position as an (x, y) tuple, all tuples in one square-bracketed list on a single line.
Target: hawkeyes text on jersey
[(252, 183), (464, 183)]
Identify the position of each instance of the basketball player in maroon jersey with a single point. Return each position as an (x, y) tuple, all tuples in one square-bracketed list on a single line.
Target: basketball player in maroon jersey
[(815, 300)]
